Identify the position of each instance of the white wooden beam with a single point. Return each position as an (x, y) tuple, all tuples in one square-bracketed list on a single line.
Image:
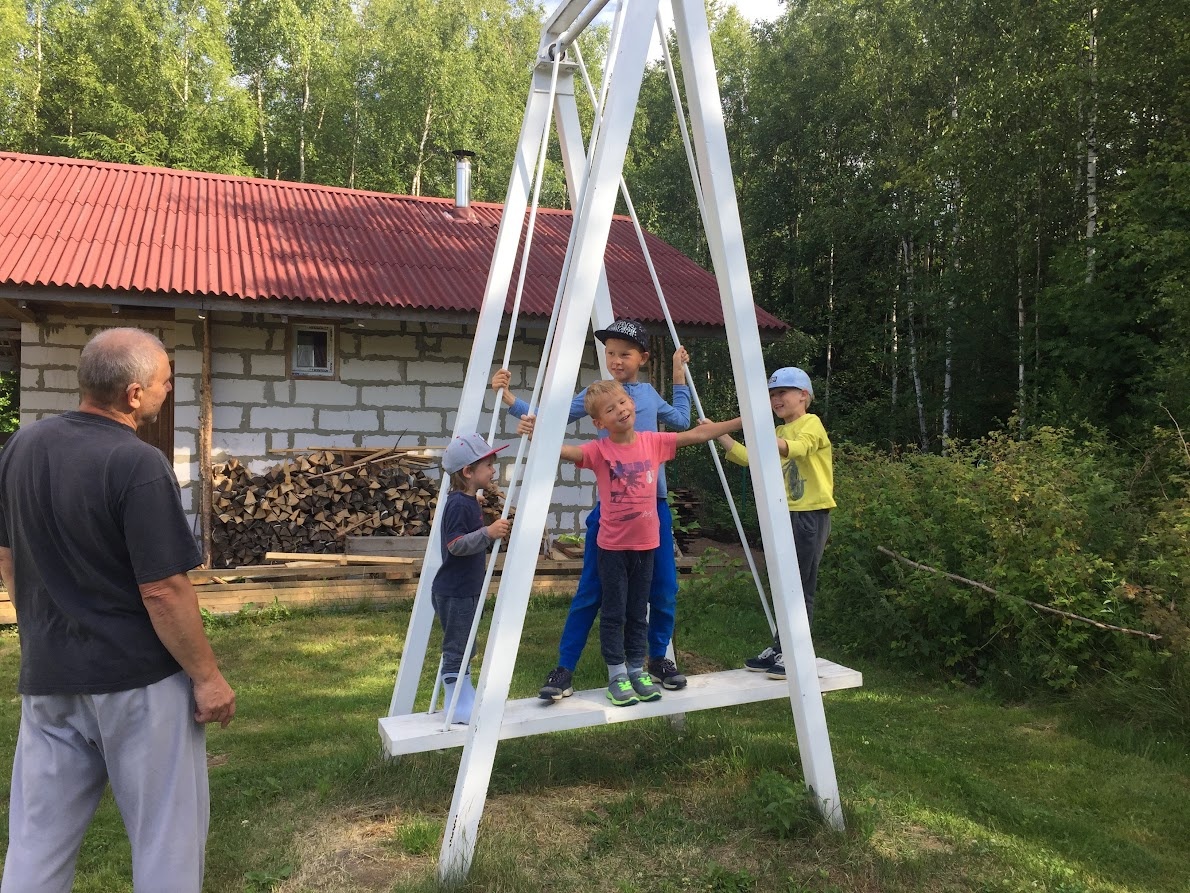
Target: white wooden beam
[(591, 231), (420, 732), (725, 236), (475, 384)]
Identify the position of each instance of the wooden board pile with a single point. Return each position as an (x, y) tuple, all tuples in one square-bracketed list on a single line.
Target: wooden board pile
[(311, 501)]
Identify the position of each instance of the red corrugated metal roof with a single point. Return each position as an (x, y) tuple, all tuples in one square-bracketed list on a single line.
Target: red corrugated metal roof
[(88, 224)]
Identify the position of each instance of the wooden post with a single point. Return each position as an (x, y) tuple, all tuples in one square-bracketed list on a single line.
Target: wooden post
[(205, 425)]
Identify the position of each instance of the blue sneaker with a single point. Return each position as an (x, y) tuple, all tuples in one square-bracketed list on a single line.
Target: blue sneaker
[(621, 693)]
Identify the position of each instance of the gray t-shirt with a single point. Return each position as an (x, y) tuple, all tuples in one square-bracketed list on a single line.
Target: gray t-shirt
[(89, 512)]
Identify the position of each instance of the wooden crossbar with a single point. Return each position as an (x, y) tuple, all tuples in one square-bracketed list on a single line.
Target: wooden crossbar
[(419, 732)]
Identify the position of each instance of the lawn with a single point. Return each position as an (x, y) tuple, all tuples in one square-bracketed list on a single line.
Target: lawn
[(944, 788)]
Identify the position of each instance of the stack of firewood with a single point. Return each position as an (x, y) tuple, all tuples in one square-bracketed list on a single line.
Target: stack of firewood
[(312, 501)]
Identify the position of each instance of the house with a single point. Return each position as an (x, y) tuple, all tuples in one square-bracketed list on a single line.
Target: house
[(320, 316)]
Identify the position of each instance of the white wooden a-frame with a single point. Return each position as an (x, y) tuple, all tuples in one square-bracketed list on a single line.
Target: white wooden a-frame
[(584, 299)]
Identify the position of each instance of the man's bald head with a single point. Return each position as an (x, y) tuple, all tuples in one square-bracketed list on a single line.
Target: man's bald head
[(115, 359)]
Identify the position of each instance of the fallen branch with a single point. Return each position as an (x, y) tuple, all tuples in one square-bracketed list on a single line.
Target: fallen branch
[(1046, 608)]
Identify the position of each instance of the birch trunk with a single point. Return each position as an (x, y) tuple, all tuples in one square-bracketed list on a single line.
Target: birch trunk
[(1092, 140), (907, 254), (421, 146), (956, 200)]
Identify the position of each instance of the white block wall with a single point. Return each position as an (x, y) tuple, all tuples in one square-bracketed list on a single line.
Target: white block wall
[(399, 384)]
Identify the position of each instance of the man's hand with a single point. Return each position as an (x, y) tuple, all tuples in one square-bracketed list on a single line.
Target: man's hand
[(215, 701), (499, 529)]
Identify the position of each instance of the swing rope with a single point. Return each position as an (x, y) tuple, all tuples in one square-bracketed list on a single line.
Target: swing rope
[(640, 235)]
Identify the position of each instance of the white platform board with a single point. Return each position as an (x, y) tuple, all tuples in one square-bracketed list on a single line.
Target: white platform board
[(418, 732)]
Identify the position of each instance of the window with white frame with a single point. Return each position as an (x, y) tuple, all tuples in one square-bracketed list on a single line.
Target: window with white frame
[(312, 350)]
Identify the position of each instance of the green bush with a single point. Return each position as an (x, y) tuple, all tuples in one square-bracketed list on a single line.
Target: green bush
[(1050, 519)]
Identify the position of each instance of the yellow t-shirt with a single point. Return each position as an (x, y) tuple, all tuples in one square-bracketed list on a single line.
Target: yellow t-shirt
[(809, 474)]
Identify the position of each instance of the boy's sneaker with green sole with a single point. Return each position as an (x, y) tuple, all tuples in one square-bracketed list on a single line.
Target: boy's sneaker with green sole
[(644, 686), (558, 685), (663, 670), (620, 692)]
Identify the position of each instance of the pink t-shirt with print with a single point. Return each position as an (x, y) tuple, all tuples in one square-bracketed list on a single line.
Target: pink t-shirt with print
[(626, 475)]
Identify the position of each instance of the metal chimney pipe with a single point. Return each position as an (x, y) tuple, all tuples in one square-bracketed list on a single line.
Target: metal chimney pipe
[(463, 178)]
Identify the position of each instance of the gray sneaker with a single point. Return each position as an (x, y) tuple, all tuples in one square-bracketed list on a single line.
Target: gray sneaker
[(644, 686), (620, 693)]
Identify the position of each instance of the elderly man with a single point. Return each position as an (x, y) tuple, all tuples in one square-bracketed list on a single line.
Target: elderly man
[(117, 676)]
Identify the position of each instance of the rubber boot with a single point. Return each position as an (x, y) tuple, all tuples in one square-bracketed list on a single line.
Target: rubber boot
[(462, 714)]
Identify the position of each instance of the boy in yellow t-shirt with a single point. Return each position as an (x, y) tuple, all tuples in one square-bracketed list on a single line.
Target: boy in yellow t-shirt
[(809, 488)]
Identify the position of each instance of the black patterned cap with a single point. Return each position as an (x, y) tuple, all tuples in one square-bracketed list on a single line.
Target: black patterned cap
[(627, 330)]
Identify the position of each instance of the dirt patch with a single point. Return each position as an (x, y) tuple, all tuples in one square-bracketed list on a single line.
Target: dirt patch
[(354, 851)]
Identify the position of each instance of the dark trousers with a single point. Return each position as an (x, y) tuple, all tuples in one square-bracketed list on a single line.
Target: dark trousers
[(455, 613), (623, 623), (663, 592), (810, 533)]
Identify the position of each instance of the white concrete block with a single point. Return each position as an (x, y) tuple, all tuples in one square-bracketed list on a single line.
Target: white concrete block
[(237, 390), (41, 355), (311, 440), (239, 337), (325, 393), (391, 396), (227, 363), (379, 440), (415, 423), (350, 420), (436, 372), (186, 416), (228, 418), (185, 444), (187, 495), (187, 362), (379, 371), (267, 365), (438, 397), (67, 336), (281, 417), (385, 347), (183, 454), (60, 380), (51, 402), (187, 473), (185, 389), (227, 444)]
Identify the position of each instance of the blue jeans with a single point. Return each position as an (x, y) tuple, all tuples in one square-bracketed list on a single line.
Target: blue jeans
[(456, 614), (622, 625), (663, 593)]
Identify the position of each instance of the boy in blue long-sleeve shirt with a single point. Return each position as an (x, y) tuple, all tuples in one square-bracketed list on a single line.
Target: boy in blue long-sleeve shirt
[(625, 344)]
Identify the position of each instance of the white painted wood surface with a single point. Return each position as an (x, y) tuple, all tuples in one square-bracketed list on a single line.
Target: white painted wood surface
[(420, 732)]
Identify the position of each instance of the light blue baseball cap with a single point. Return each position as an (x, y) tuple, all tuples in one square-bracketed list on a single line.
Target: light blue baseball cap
[(791, 377)]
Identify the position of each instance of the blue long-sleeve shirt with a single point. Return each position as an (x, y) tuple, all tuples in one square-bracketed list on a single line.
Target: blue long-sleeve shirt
[(651, 409)]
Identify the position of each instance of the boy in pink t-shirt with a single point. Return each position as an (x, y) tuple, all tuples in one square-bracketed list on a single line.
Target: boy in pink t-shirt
[(626, 464)]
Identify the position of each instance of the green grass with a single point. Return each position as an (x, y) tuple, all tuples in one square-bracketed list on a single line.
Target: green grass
[(944, 788)]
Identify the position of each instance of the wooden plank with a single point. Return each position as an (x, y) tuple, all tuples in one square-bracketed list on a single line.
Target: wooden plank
[(334, 558), (419, 732), (315, 572)]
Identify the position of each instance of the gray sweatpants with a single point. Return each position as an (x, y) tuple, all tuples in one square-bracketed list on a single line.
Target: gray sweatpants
[(811, 530), (146, 743)]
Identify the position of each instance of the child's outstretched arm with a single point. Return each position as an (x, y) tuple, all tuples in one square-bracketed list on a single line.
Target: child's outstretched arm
[(706, 430), (569, 453), (499, 382)]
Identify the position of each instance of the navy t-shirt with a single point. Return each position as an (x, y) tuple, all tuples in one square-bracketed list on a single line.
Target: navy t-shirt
[(460, 575), (89, 511)]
